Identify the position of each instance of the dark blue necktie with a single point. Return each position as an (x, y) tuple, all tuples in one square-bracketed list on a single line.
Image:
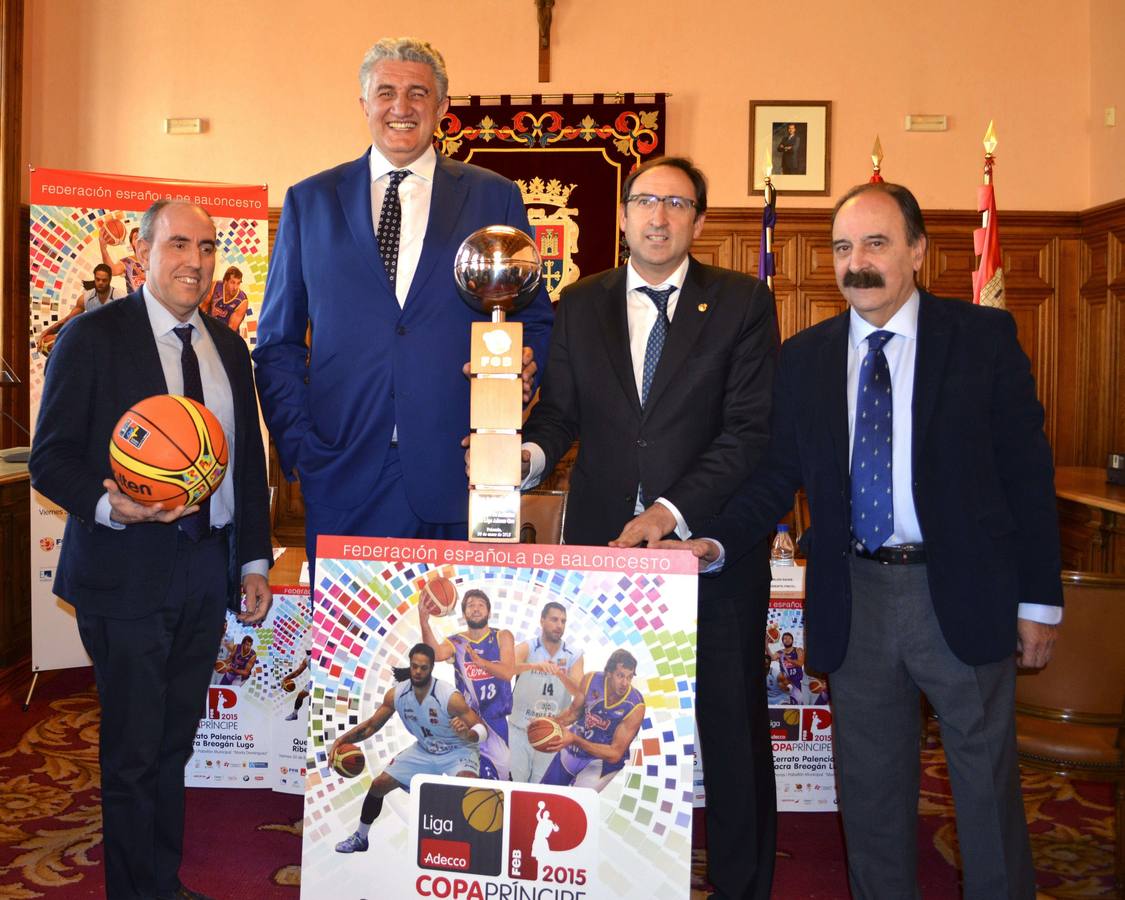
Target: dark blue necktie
[(656, 337), (872, 501), (390, 225), (195, 526)]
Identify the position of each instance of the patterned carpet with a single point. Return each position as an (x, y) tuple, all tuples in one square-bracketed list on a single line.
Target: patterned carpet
[(246, 844)]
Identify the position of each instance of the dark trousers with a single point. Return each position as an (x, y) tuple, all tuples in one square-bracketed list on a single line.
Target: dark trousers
[(152, 674), (734, 735), (895, 650), (386, 513)]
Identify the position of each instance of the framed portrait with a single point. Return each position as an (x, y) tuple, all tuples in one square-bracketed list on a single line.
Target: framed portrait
[(793, 138)]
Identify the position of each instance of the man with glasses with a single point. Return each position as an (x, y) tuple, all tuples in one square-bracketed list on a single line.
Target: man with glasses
[(663, 368)]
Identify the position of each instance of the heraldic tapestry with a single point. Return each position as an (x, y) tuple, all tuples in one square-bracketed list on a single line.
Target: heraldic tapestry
[(569, 159)]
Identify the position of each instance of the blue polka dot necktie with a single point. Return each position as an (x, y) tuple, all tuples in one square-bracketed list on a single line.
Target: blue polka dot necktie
[(195, 526), (656, 337), (390, 225), (872, 500)]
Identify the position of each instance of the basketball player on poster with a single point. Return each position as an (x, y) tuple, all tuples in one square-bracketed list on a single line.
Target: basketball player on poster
[(548, 677), (484, 660), (604, 719), (447, 737)]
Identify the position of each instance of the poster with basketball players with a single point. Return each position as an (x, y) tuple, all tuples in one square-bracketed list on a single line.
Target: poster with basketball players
[(800, 717), (500, 720), (83, 255), (253, 730)]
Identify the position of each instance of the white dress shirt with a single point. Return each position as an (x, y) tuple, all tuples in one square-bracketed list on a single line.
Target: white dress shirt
[(414, 194), (217, 398), (641, 315)]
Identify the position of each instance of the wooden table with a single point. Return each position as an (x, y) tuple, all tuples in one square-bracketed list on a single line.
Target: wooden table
[(1091, 520), (287, 569)]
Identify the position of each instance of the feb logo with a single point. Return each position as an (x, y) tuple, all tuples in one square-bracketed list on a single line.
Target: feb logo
[(46, 544), (460, 828), (551, 837), (219, 699), (816, 724)]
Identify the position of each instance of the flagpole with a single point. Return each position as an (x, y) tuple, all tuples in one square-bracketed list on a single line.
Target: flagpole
[(769, 194), (876, 162)]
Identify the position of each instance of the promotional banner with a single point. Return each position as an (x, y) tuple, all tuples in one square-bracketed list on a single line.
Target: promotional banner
[(800, 717), (569, 669), (253, 731), (569, 158), (83, 254)]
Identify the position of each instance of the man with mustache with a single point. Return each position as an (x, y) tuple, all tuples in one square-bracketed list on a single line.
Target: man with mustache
[(370, 413), (912, 423)]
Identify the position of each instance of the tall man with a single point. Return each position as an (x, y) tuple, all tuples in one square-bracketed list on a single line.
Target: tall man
[(138, 576), (548, 675), (372, 414), (913, 424), (663, 368), (483, 663)]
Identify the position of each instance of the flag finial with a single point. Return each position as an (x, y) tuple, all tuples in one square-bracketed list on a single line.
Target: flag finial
[(876, 161), (990, 141)]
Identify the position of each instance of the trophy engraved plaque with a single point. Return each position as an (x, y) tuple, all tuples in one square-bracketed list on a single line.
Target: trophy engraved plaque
[(497, 270)]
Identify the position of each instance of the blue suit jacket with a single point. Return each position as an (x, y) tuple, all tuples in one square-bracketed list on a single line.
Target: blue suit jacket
[(373, 365), (103, 362), (981, 466)]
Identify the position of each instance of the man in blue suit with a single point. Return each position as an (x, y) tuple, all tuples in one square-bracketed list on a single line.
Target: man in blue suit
[(912, 423), (371, 411)]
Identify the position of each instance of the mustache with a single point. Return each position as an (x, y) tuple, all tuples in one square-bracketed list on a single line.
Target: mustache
[(864, 278)]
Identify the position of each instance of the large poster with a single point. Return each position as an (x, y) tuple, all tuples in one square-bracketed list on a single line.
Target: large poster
[(604, 811), (82, 249), (800, 717), (253, 728), (569, 158)]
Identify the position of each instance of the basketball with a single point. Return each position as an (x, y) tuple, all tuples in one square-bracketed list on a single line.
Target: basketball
[(114, 230), (542, 732), (348, 760), (220, 666), (483, 809), (288, 685), (439, 596), (167, 451)]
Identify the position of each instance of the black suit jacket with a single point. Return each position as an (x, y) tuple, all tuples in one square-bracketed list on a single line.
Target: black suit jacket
[(103, 362), (704, 427), (983, 479)]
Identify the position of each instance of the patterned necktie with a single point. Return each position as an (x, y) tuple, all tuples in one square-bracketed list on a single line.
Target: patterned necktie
[(196, 526), (656, 337), (872, 500), (390, 225)]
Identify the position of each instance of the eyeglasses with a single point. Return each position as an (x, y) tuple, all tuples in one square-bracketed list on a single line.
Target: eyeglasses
[(672, 205)]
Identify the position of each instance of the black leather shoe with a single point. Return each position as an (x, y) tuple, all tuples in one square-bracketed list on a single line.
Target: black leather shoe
[(184, 893)]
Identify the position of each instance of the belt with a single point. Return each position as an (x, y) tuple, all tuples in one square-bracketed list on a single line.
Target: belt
[(902, 555)]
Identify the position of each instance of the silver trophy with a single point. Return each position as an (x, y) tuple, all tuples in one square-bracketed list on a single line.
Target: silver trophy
[(497, 270)]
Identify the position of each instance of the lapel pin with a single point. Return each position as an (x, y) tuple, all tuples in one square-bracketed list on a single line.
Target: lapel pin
[(702, 307)]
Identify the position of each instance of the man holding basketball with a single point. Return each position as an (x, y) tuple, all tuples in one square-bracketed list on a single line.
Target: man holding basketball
[(548, 676), (140, 576), (484, 663), (447, 736), (371, 415), (604, 719)]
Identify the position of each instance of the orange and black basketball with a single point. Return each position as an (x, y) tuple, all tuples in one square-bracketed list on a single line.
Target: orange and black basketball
[(348, 760), (288, 685), (114, 230), (439, 596), (542, 732), (483, 809), (167, 451)]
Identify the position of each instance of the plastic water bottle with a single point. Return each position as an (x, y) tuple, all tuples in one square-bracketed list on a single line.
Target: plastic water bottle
[(782, 550)]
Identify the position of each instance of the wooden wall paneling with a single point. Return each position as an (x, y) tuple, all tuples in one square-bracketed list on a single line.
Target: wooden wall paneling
[(1115, 283), (1065, 442), (715, 249)]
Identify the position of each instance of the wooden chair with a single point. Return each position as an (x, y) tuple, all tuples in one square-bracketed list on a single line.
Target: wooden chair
[(1070, 716), (543, 516)]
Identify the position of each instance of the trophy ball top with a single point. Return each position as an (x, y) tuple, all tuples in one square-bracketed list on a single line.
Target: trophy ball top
[(497, 267)]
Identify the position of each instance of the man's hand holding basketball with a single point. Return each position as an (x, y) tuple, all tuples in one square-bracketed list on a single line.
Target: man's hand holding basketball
[(257, 598), (127, 511)]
